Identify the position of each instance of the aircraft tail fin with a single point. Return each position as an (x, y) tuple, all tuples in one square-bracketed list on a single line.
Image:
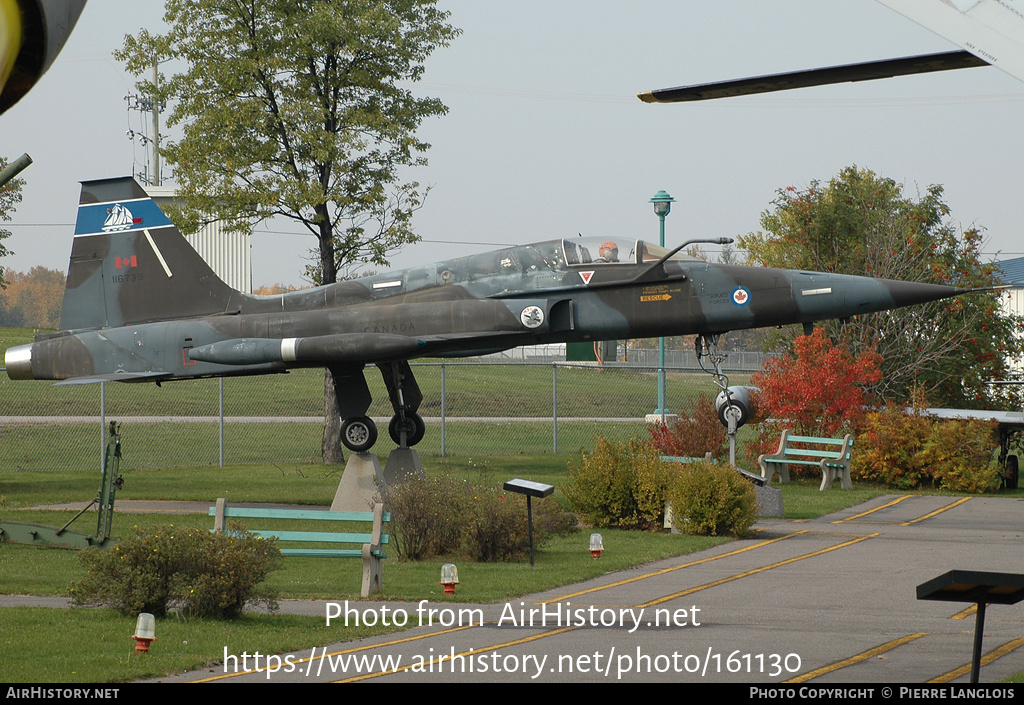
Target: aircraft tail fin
[(130, 264)]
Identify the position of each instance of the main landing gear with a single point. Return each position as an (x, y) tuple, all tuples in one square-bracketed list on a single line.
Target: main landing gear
[(358, 431)]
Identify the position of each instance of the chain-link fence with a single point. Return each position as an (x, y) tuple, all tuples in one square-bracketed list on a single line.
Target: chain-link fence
[(484, 407)]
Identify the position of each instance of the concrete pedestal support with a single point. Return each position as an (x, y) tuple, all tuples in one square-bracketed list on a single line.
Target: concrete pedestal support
[(358, 484), (402, 462)]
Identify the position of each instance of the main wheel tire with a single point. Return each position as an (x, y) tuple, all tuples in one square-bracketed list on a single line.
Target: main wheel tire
[(359, 433), (412, 425)]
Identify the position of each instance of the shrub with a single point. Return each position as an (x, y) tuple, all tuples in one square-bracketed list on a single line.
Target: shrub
[(888, 448), (201, 573), (711, 500), (223, 572), (428, 515), (909, 450), (820, 389), (619, 484), (697, 432), (497, 527), (444, 516), (958, 454)]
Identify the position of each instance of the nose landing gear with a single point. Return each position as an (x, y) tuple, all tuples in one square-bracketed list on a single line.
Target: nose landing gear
[(407, 429)]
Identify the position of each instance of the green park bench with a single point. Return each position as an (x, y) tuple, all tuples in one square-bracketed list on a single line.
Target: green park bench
[(708, 458), (369, 543), (801, 450)]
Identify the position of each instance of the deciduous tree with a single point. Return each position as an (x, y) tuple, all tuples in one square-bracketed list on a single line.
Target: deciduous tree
[(862, 223), (32, 300), (299, 109), (10, 197), (820, 389)]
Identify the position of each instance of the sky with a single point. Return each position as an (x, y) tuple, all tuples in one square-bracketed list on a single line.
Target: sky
[(545, 136)]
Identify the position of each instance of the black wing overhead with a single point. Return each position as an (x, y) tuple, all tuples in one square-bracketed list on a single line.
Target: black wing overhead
[(867, 71)]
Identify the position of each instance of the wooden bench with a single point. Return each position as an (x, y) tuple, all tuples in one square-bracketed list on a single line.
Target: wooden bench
[(369, 550), (795, 450)]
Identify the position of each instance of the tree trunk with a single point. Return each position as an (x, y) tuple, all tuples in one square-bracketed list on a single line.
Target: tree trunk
[(330, 446)]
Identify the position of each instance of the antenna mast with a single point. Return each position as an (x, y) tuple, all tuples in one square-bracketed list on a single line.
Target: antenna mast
[(153, 177)]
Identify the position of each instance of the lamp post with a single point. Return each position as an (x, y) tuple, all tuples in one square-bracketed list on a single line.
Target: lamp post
[(662, 205)]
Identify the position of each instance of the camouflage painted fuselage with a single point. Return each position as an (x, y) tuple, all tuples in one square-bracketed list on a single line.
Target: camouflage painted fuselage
[(141, 305)]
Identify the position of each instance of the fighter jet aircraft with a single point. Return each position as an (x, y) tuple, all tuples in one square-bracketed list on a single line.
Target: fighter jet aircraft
[(140, 305)]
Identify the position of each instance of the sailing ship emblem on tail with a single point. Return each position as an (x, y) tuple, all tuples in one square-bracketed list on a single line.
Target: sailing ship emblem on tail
[(118, 218)]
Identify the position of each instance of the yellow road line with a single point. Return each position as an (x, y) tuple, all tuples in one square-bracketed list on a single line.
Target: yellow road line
[(929, 515), (554, 632), (646, 604), (663, 571), (755, 571), (871, 511), (965, 613), (985, 660), (870, 653)]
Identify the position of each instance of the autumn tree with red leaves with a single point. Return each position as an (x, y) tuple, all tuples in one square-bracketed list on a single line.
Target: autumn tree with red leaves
[(819, 390), (697, 431)]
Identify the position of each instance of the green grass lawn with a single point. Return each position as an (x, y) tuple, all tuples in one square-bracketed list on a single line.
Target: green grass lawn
[(43, 464), (29, 634), (46, 645), (474, 392), (472, 389)]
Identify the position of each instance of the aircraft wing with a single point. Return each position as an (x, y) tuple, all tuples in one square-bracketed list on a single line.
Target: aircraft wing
[(1003, 417), (992, 30), (866, 71), (989, 32), (117, 377)]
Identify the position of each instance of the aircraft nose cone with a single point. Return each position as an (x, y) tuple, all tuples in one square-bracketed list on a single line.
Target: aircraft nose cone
[(910, 293)]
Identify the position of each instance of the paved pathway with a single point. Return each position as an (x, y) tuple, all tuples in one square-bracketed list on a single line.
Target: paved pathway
[(828, 601)]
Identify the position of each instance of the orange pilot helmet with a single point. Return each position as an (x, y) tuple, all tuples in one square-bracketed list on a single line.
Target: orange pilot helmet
[(609, 252)]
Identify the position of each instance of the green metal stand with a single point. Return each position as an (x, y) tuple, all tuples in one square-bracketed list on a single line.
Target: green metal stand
[(43, 535)]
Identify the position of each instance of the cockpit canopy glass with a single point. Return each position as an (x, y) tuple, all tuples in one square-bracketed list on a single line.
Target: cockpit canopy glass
[(592, 250)]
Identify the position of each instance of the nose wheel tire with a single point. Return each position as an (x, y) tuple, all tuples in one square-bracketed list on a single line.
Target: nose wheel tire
[(413, 426), (359, 433)]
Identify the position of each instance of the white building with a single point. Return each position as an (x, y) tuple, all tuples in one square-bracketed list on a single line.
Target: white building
[(229, 253), (1012, 299)]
